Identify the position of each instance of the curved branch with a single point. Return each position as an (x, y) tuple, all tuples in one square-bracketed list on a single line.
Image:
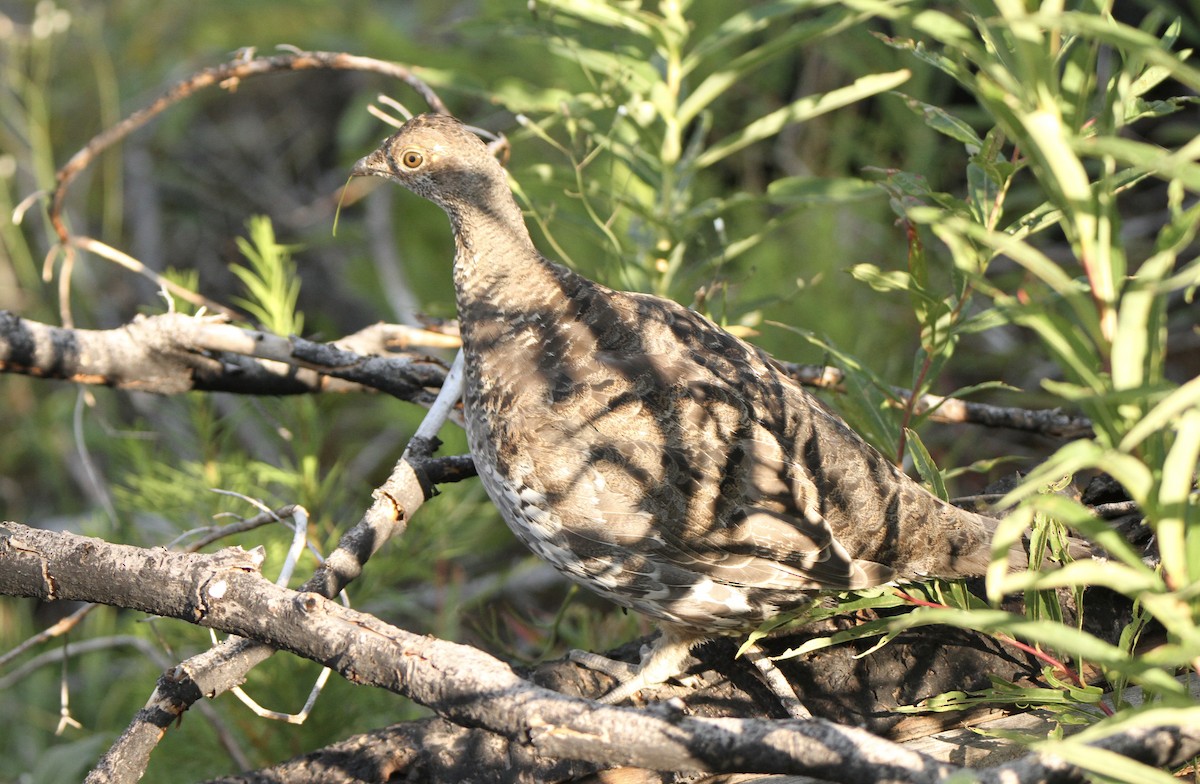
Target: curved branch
[(227, 75)]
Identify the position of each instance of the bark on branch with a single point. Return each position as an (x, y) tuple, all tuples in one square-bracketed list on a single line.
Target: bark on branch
[(548, 730), (172, 353)]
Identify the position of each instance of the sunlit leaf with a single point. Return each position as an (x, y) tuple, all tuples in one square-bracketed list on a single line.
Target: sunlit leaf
[(801, 110)]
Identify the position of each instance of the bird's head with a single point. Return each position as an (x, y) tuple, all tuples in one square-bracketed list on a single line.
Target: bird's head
[(435, 156)]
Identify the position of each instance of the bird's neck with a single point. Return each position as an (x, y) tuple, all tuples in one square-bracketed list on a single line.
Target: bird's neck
[(497, 269)]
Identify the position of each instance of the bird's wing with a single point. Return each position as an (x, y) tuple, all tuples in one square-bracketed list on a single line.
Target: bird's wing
[(689, 476)]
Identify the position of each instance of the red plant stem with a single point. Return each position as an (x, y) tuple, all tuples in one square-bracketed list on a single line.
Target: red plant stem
[(1062, 669)]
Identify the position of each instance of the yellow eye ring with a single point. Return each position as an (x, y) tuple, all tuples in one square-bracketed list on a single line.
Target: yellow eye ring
[(412, 159)]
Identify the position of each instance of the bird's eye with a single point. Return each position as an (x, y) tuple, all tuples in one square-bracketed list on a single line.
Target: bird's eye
[(411, 159)]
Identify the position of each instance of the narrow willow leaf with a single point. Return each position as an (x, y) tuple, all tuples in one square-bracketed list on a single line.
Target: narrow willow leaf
[(984, 466), (798, 111), (862, 631), (1141, 109), (735, 71), (1163, 414), (1175, 491), (898, 280), (1140, 338), (606, 14), (1123, 36), (1083, 521), (1178, 165), (1105, 763), (943, 122), (1069, 346), (1052, 143), (971, 389), (924, 464), (746, 22), (945, 28), (822, 190), (640, 75), (882, 280), (1038, 263), (1126, 580), (1065, 639), (1174, 713), (1069, 460)]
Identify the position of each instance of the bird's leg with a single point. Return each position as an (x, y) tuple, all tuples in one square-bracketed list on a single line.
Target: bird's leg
[(775, 681), (661, 662)]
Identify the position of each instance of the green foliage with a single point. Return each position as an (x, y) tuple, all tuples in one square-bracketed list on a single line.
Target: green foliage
[(664, 131), (641, 140), (1061, 123), (272, 285), (1056, 127)]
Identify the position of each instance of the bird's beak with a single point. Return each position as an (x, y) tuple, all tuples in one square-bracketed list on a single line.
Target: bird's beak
[(373, 165)]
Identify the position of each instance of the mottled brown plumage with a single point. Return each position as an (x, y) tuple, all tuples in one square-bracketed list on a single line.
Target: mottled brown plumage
[(648, 454)]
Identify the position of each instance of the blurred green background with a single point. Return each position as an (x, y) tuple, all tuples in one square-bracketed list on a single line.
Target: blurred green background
[(578, 100)]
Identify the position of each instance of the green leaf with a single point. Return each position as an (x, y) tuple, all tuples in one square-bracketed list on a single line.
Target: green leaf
[(1125, 579), (1170, 712), (1178, 165), (943, 122), (1163, 414), (1105, 763), (821, 190), (862, 631), (1066, 639), (733, 72), (1003, 692), (1074, 353), (1141, 109), (798, 111), (924, 464), (895, 280), (604, 14), (984, 466), (1175, 494), (1122, 36)]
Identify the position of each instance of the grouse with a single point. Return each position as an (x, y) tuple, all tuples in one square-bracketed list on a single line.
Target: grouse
[(649, 455)]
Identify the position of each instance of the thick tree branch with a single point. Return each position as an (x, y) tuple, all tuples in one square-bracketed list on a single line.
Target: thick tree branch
[(225, 591), (172, 353)]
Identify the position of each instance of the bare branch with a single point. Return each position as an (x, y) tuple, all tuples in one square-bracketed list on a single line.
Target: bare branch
[(172, 353), (227, 75), (225, 666), (1052, 422), (225, 591)]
